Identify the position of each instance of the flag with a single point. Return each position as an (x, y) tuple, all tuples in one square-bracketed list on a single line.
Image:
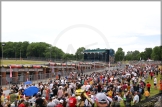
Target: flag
[(10, 71)]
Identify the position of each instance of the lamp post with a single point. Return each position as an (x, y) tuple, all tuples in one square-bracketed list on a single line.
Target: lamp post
[(2, 50), (50, 54), (105, 56), (94, 56), (20, 54), (15, 53)]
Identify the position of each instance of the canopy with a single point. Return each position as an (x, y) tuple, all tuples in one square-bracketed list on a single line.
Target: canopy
[(28, 82), (31, 91)]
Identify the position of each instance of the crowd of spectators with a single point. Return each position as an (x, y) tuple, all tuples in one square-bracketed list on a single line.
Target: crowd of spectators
[(105, 89)]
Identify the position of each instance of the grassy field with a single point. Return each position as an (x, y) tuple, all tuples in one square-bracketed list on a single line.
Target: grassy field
[(152, 90), (8, 62)]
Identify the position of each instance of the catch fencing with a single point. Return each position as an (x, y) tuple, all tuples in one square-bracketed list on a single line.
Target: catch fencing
[(37, 78)]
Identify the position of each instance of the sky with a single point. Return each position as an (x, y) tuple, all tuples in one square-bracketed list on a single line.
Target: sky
[(70, 25)]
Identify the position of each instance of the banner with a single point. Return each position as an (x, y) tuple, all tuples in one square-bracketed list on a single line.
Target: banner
[(10, 71)]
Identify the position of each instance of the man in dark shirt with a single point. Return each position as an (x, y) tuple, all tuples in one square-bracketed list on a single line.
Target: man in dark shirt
[(54, 90), (128, 99), (39, 101), (99, 87)]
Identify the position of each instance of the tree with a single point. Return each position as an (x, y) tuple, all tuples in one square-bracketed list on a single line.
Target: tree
[(119, 55), (143, 56), (156, 54), (148, 52), (53, 52), (37, 49), (68, 56), (135, 55), (79, 53), (128, 56)]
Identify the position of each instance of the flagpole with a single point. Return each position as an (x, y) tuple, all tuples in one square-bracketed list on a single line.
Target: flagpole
[(10, 76), (109, 66)]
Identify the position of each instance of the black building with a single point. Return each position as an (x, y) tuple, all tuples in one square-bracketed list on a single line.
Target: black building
[(103, 55)]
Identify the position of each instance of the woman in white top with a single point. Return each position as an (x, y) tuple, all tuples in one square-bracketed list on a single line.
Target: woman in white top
[(155, 83)]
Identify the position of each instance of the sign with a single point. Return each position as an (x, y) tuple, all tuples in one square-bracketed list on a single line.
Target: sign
[(7, 69), (31, 69), (40, 69), (21, 69)]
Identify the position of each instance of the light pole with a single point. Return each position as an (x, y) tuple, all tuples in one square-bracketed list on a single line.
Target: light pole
[(2, 50), (105, 56), (94, 57), (98, 56), (15, 53), (20, 54), (50, 54)]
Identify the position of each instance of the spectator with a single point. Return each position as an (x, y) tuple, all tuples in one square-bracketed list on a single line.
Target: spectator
[(72, 101), (51, 103), (146, 94), (155, 82), (60, 104), (39, 101), (101, 100), (136, 98), (148, 85)]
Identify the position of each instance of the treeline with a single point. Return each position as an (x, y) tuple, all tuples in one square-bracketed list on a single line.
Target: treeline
[(149, 53), (45, 50), (37, 50)]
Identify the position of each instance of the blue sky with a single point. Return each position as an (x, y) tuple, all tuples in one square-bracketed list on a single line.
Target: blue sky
[(130, 25)]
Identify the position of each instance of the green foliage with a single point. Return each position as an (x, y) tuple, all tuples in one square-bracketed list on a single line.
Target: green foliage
[(119, 56), (156, 53), (44, 50), (148, 52), (79, 53)]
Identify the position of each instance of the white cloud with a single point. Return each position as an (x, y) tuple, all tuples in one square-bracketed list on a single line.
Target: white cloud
[(122, 23)]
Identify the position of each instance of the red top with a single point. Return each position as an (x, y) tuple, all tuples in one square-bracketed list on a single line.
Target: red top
[(21, 105), (148, 85), (59, 105), (72, 102)]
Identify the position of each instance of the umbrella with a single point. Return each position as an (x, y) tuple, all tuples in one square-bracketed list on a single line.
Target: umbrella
[(28, 82), (31, 91)]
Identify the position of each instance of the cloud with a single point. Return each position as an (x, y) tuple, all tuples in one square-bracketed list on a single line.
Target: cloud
[(122, 23)]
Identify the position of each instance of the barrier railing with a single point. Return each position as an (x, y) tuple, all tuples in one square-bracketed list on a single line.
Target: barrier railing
[(23, 78), (154, 101)]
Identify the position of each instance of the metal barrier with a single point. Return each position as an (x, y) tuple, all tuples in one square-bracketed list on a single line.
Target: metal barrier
[(0, 80), (154, 101), (36, 78)]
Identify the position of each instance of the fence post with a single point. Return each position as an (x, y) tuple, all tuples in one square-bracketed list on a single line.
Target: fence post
[(0, 80)]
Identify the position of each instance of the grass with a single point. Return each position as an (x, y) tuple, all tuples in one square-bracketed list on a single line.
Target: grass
[(8, 62), (152, 90)]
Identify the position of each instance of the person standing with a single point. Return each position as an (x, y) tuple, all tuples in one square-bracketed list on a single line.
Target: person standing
[(72, 101), (136, 98), (155, 82), (147, 94), (128, 99), (60, 93), (39, 101), (101, 100), (148, 85), (60, 104)]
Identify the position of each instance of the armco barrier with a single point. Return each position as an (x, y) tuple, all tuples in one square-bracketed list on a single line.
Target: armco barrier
[(154, 101)]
